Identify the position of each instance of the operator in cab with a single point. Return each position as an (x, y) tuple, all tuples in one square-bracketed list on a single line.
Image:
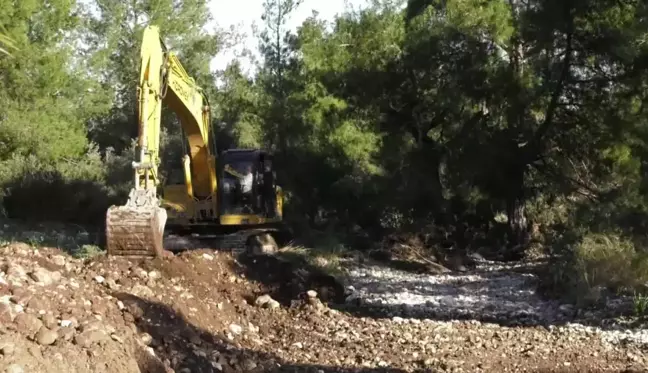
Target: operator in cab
[(247, 180)]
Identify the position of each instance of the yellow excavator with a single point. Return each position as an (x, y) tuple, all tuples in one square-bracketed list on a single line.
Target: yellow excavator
[(235, 199)]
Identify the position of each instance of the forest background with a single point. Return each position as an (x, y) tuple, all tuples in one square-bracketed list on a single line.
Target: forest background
[(508, 125)]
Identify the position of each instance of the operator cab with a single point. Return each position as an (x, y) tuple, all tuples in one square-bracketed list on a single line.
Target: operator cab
[(246, 183)]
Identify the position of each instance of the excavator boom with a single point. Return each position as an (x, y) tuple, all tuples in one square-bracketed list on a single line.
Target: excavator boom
[(136, 229)]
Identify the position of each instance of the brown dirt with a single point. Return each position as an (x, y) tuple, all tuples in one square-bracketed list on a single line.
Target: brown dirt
[(195, 312)]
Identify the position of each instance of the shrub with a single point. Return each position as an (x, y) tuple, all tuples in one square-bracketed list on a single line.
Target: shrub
[(586, 266), (71, 190)]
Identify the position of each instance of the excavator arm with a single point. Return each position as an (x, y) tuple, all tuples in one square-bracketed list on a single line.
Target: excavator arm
[(137, 228)]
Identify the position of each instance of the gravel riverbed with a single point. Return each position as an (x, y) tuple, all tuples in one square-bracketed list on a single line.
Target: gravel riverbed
[(493, 292)]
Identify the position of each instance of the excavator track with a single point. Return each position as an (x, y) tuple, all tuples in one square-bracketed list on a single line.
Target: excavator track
[(136, 229), (252, 241)]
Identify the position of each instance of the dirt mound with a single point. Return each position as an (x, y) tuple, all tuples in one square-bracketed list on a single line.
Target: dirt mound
[(191, 311), (206, 311)]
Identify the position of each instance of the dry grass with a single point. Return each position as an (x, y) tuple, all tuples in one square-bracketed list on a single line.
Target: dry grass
[(599, 265), (326, 256), (611, 262)]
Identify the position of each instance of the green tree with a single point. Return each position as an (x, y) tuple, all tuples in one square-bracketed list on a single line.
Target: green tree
[(115, 38), (534, 80), (47, 96)]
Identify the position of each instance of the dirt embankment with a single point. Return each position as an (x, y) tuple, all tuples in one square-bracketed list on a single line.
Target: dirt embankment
[(201, 312)]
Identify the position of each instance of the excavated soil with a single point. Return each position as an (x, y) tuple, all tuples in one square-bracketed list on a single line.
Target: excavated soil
[(206, 311)]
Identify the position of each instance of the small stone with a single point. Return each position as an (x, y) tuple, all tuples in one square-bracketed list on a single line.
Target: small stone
[(66, 323), (141, 274), (236, 329), (154, 275), (99, 279), (248, 364), (312, 294), (262, 300), (142, 291), (265, 301), (208, 257), (146, 338), (199, 353), (86, 339), (14, 368), (116, 338), (59, 260), (90, 325), (7, 348), (111, 284)]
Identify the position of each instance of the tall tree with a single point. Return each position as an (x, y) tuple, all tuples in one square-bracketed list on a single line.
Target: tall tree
[(115, 40), (46, 99), (545, 83)]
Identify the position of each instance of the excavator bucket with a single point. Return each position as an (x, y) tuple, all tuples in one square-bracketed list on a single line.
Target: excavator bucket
[(136, 229)]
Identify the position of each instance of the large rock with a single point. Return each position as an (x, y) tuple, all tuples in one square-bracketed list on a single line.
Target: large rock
[(7, 313), (265, 301), (58, 260), (21, 296), (45, 277), (46, 337), (142, 291), (90, 337), (15, 272), (7, 348), (27, 324)]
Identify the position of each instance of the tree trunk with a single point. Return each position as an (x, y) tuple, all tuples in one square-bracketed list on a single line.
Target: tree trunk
[(518, 224), (516, 211)]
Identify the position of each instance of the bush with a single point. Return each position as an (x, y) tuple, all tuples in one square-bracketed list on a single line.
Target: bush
[(586, 266), (69, 191)]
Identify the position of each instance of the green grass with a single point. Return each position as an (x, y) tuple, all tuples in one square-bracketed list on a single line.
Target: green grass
[(640, 303)]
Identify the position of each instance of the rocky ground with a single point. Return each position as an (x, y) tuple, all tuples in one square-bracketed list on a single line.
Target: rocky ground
[(499, 293), (206, 311)]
